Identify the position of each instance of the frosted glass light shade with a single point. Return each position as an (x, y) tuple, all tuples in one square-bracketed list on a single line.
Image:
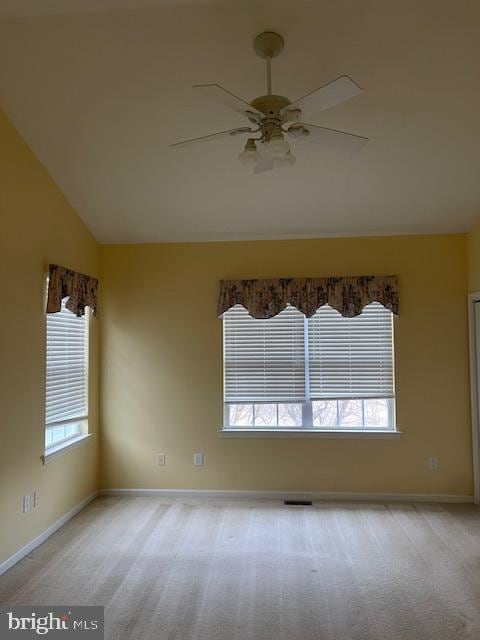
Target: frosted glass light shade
[(284, 162), (249, 156), (277, 145)]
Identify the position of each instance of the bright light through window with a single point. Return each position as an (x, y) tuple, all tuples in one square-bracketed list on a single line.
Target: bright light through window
[(66, 407), (327, 372)]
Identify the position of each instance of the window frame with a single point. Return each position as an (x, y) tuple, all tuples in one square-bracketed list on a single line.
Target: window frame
[(307, 426), (307, 416), (81, 433)]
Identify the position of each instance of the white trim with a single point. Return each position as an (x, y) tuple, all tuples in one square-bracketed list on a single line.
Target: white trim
[(289, 495), (30, 546), (311, 433), (63, 447), (473, 298)]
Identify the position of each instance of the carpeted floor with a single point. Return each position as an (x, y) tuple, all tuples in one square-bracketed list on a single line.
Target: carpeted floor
[(257, 570)]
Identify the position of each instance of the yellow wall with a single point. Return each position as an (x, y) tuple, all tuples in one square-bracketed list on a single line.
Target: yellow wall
[(162, 369), (38, 226)]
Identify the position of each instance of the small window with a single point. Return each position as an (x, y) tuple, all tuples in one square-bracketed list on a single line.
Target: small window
[(67, 377), (325, 372)]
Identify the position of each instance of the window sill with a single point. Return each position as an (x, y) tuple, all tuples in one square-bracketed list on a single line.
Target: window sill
[(367, 434), (63, 447)]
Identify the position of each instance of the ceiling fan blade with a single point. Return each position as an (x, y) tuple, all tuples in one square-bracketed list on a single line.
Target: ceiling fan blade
[(211, 136), (228, 99), (328, 137), (329, 95), (266, 161)]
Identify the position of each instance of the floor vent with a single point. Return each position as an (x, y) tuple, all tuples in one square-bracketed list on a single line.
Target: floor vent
[(298, 503)]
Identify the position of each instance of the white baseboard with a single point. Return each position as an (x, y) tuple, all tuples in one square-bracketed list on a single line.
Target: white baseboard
[(290, 495), (30, 546)]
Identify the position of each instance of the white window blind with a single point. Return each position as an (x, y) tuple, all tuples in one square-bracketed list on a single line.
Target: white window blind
[(264, 360), (351, 357), (67, 368)]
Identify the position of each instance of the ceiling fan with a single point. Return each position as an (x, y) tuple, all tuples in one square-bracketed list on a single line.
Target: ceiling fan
[(274, 116)]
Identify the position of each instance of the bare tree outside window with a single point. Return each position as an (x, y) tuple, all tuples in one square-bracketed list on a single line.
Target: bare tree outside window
[(324, 413), (290, 415), (241, 415), (350, 413), (376, 412), (265, 415)]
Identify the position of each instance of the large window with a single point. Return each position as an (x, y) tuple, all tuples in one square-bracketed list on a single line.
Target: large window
[(325, 372), (67, 377)]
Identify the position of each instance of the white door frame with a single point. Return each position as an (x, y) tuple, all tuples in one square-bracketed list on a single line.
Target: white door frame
[(473, 298)]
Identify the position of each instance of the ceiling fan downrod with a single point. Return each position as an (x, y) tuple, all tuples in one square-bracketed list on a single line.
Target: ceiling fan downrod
[(268, 45), (269, 76)]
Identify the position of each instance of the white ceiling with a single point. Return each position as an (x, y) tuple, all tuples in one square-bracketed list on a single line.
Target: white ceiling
[(31, 8), (100, 94)]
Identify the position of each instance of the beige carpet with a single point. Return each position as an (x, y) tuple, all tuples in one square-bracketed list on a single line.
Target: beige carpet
[(238, 570)]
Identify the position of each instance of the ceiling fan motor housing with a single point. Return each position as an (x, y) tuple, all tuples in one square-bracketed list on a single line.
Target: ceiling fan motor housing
[(270, 105)]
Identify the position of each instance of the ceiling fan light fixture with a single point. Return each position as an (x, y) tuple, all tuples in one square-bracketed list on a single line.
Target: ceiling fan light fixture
[(277, 145), (249, 155), (284, 162), (274, 116)]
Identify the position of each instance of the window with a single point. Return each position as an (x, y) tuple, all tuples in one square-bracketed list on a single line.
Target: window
[(325, 372), (67, 377)]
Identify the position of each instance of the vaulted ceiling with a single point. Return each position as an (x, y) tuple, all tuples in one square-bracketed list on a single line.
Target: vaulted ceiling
[(100, 88)]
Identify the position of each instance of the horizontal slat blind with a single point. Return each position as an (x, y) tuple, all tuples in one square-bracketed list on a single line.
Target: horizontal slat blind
[(67, 342), (351, 357), (264, 360)]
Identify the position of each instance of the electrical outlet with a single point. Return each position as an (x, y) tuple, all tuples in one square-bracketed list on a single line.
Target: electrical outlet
[(432, 464), (161, 459), (36, 499), (198, 459), (26, 504)]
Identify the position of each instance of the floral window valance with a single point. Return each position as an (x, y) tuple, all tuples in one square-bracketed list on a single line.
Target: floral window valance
[(80, 289), (348, 295)]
